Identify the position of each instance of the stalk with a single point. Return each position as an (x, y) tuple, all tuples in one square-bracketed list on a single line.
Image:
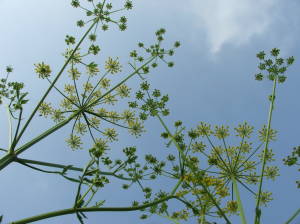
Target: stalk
[(8, 158), (89, 209), (257, 209), (202, 220), (9, 126), (176, 187), (293, 216), (240, 205), (85, 194)]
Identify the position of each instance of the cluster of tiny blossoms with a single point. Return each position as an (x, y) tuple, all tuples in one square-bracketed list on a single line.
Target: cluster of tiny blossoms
[(92, 103), (224, 163), (12, 91), (92, 100), (236, 161), (292, 160), (275, 67)]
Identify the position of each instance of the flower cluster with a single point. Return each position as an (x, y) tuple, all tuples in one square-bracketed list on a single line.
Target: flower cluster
[(225, 164), (292, 160), (91, 101), (113, 65), (42, 70), (149, 103), (156, 53), (235, 161), (275, 67), (12, 91), (102, 12)]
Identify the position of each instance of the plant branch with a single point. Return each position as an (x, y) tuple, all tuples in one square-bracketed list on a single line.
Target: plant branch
[(89, 209), (293, 216)]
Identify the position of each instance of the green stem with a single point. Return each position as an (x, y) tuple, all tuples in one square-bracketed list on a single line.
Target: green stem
[(257, 209), (9, 126), (89, 209), (85, 194), (8, 158), (202, 220), (293, 216), (4, 150), (91, 197), (55, 165), (46, 133), (240, 205), (176, 187), (17, 130)]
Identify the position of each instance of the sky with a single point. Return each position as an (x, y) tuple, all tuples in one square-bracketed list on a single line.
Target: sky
[(212, 81)]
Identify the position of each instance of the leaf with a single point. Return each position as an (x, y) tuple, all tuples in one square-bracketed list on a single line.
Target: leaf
[(81, 213), (79, 218), (24, 101), (23, 95), (99, 203)]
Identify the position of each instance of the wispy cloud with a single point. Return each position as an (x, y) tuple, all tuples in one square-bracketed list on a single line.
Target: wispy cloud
[(233, 21)]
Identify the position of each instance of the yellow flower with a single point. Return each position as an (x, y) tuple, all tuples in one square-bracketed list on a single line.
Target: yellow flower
[(113, 65), (232, 207), (74, 73), (42, 70)]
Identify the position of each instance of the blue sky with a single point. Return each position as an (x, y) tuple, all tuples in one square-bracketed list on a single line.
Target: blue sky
[(212, 81)]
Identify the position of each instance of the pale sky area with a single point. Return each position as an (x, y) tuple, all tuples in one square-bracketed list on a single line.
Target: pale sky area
[(212, 81), (234, 22)]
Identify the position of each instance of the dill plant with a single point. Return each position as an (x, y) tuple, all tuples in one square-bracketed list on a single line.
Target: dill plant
[(208, 191)]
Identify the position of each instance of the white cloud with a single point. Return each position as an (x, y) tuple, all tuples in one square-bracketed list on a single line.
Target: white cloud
[(233, 21)]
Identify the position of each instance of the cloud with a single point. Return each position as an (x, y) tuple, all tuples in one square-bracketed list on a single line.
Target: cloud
[(233, 21)]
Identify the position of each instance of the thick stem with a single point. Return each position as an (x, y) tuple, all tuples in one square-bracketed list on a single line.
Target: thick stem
[(240, 205), (257, 209), (8, 158), (89, 209)]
